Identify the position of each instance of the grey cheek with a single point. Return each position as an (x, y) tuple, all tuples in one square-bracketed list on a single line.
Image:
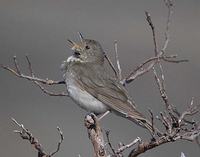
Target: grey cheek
[(84, 57)]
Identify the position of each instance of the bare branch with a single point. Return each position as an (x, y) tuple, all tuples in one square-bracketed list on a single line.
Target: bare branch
[(59, 143), (27, 135), (191, 110), (166, 122), (39, 85), (169, 107), (108, 140), (172, 123), (174, 61), (140, 70), (189, 136), (144, 146), (161, 86), (20, 75), (30, 66), (49, 92), (111, 65), (16, 65), (160, 83), (32, 77), (122, 148), (117, 60), (170, 6), (152, 121), (148, 18), (148, 64), (95, 135)]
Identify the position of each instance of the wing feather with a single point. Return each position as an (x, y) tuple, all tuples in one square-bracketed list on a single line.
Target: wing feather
[(107, 90)]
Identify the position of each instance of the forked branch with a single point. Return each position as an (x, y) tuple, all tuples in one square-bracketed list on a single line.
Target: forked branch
[(160, 55), (38, 81), (25, 134)]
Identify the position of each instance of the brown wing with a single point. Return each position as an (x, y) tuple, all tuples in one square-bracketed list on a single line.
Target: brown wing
[(108, 91)]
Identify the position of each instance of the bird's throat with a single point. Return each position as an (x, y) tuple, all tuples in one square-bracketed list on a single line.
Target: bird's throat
[(72, 59)]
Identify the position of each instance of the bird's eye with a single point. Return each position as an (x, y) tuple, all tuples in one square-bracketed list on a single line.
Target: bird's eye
[(87, 47)]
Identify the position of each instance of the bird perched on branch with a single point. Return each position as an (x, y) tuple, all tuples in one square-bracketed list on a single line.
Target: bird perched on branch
[(93, 88)]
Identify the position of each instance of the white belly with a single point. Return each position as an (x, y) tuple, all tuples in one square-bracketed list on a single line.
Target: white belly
[(84, 99)]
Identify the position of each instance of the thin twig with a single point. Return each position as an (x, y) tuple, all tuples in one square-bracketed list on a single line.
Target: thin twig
[(161, 86), (117, 61), (109, 142), (169, 4), (16, 65), (191, 110), (162, 90), (161, 83), (121, 149), (32, 77), (39, 85), (30, 66), (152, 120), (175, 61), (148, 18), (140, 70), (163, 121), (49, 92), (111, 65), (27, 135), (59, 143), (150, 63), (166, 122)]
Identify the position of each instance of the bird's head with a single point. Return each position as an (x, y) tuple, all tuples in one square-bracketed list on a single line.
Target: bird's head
[(87, 51)]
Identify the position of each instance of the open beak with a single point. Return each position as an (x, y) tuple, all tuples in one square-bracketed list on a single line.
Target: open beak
[(75, 47)]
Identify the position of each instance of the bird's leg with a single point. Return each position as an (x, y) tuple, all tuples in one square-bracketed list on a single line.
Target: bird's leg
[(97, 115), (103, 115)]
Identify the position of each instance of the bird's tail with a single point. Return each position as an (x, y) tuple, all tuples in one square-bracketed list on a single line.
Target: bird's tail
[(143, 122)]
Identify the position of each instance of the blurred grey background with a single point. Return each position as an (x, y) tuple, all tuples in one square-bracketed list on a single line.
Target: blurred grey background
[(40, 28)]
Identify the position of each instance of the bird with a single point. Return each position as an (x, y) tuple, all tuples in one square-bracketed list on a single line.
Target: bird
[(92, 87)]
